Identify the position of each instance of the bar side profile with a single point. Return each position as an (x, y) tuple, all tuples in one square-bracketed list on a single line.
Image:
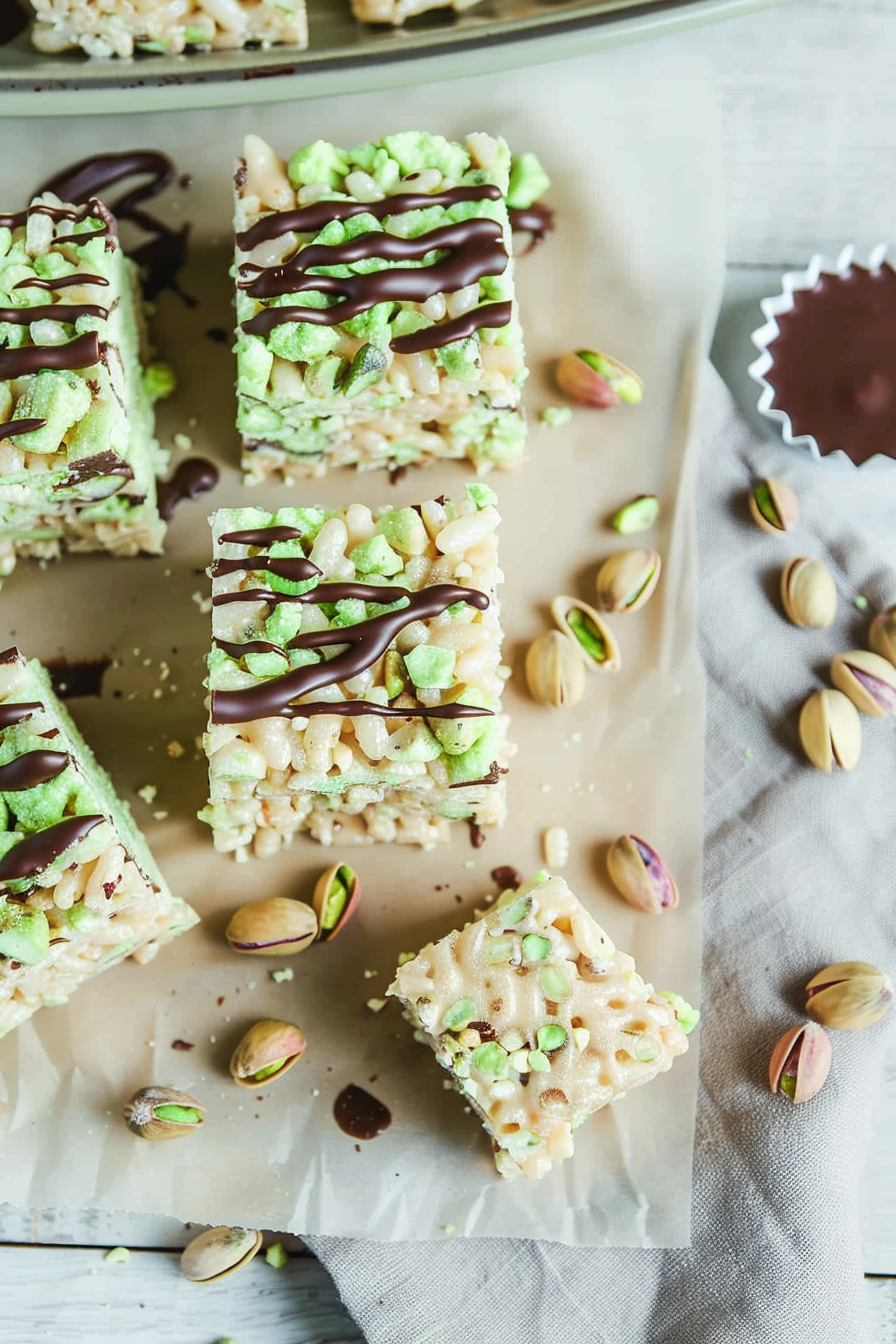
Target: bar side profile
[(123, 27)]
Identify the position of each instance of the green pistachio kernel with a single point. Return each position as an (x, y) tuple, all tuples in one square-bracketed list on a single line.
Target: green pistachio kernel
[(431, 667), (500, 950), (763, 498), (179, 1115), (688, 1016), (550, 1037), (480, 494), (589, 638), (517, 911), (539, 1062), (337, 896), (119, 1255), (395, 674), (638, 515), (276, 1255), (554, 984), (459, 1015), (268, 1071), (787, 1085), (24, 934), (536, 948), (491, 1059)]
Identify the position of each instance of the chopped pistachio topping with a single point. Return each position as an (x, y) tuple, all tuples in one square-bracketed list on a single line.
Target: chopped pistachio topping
[(459, 1015), (276, 1255), (550, 1037), (535, 947)]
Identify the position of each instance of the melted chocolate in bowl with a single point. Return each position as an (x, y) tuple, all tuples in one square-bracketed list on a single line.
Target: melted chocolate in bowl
[(834, 363)]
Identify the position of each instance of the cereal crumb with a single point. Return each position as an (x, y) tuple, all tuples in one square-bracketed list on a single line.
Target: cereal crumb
[(182, 441), (376, 1005), (160, 816), (279, 976), (203, 603), (315, 1091), (405, 957), (253, 984), (449, 1229), (545, 788), (555, 416), (469, 863), (119, 1255), (157, 693), (175, 749), (148, 793), (368, 975)]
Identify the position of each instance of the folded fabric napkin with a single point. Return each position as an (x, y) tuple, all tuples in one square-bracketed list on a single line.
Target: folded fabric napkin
[(798, 874)]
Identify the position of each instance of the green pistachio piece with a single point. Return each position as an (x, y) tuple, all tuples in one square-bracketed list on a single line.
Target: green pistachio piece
[(638, 515), (539, 1062), (516, 911), (459, 1015), (688, 1017), (269, 1070), (536, 948), (554, 984), (491, 1059), (181, 1115), (500, 950), (24, 934), (550, 1037)]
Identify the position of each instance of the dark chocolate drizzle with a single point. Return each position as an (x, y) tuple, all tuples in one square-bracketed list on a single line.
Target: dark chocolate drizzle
[(77, 354), (475, 250), (192, 478), (63, 282), (10, 427), (13, 22), (52, 312), (538, 220), (294, 569), (335, 592), (30, 769), (260, 536), (359, 1114), (36, 852), (92, 468), (72, 680), (11, 714)]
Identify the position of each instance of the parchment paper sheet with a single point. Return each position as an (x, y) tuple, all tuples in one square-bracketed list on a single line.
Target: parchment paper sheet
[(634, 269)]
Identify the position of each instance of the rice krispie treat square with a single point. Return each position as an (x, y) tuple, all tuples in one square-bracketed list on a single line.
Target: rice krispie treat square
[(106, 28), (78, 456), (79, 889), (539, 1021), (355, 677), (396, 11), (377, 322)]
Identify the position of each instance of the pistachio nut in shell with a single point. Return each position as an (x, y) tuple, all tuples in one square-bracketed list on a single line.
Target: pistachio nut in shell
[(639, 874), (774, 506), (218, 1252), (868, 680), (808, 593), (800, 1062), (637, 515), (627, 580), (267, 1051), (848, 995), (882, 635), (555, 674), (273, 927), (831, 731), (591, 637), (162, 1113), (336, 896), (598, 380)]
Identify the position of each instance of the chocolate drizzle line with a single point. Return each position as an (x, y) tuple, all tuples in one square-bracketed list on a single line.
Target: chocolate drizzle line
[(475, 247), (36, 852), (10, 427), (260, 536), (52, 312), (77, 354), (11, 714), (296, 570), (192, 478), (30, 769), (537, 220), (63, 282), (13, 22)]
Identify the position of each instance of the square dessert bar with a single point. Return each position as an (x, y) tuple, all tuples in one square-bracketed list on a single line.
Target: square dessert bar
[(538, 1020), (355, 677), (121, 27), (396, 11), (79, 889), (377, 323), (78, 459)]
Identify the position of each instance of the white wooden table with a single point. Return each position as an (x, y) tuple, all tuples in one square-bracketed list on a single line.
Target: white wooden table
[(809, 108)]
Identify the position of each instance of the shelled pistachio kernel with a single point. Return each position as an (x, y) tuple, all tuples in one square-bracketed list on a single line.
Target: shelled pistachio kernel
[(830, 731), (335, 900), (218, 1252), (800, 1062), (596, 379), (808, 593), (595, 642), (273, 927), (637, 516), (555, 674), (869, 681), (639, 874), (627, 581), (848, 995), (25, 932), (267, 1051), (162, 1113), (882, 635), (774, 506)]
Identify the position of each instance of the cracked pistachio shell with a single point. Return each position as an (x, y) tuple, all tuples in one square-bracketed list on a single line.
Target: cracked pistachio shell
[(267, 1051), (882, 635), (627, 580), (808, 593), (273, 927), (868, 680), (162, 1113), (774, 506), (598, 380), (218, 1252), (800, 1062), (336, 897), (639, 874), (593, 640), (848, 995), (830, 731), (555, 673)]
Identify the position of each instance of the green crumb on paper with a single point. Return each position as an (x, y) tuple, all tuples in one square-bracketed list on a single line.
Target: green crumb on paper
[(119, 1255), (276, 1255), (279, 976), (405, 957), (148, 793), (748, 753), (555, 416), (449, 1229), (159, 381), (860, 602)]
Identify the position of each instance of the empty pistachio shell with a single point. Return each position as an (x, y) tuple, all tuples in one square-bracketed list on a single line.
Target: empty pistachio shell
[(882, 635), (800, 1062), (774, 506), (555, 674), (808, 593), (162, 1113), (627, 580), (336, 898), (639, 874), (868, 680), (266, 1052), (598, 380), (830, 731), (848, 995), (273, 927), (218, 1252), (638, 515), (595, 642)]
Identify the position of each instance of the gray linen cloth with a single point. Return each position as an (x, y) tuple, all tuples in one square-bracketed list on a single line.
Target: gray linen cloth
[(798, 874)]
